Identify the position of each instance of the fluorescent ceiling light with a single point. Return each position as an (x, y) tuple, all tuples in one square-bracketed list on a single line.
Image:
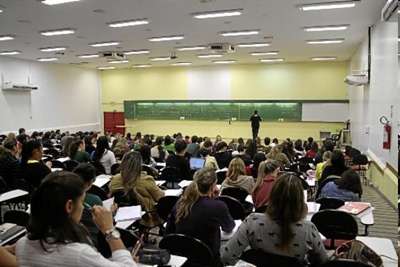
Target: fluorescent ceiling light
[(9, 53), (326, 28), (136, 52), (271, 60), (249, 45), (224, 61), (323, 58), (57, 32), (128, 23), (1, 11), (118, 61), (181, 64), (106, 68), (270, 53), (328, 5), (104, 44), (52, 49), (160, 58), (47, 59), (326, 41), (6, 37), (166, 38), (240, 33), (57, 2), (142, 66), (218, 14), (209, 56), (191, 48), (89, 56)]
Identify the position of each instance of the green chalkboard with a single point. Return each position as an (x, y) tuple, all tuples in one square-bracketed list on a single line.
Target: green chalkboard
[(212, 110)]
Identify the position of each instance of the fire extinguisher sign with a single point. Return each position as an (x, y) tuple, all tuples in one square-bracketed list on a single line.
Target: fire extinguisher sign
[(387, 132)]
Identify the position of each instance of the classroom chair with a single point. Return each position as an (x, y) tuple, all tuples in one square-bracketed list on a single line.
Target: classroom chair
[(344, 263), (329, 203), (236, 209), (17, 217), (260, 258), (95, 190)]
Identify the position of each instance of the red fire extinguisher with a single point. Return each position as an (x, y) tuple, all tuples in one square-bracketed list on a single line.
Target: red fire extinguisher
[(387, 132)]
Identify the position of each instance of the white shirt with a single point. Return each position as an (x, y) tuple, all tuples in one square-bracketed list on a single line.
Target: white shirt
[(107, 160), (30, 254)]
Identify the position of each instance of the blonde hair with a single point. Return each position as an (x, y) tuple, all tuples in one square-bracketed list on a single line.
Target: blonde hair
[(203, 180), (266, 167), (236, 168)]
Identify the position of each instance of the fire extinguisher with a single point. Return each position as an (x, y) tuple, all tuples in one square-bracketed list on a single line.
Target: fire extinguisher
[(387, 132)]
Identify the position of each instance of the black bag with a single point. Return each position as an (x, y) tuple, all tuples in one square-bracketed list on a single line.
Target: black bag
[(154, 256)]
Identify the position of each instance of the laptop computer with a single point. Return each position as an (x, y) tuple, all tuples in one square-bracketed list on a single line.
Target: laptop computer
[(196, 163)]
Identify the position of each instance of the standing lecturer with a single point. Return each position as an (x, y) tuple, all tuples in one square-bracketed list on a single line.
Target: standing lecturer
[(255, 123)]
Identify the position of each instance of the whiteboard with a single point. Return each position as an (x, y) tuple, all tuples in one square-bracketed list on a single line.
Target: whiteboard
[(325, 112)]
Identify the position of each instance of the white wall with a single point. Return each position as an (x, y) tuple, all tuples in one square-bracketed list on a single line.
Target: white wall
[(68, 97), (381, 97)]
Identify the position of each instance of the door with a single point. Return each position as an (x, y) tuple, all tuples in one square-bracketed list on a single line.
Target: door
[(114, 122)]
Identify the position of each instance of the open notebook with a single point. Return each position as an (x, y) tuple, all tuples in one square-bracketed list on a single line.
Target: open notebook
[(355, 208)]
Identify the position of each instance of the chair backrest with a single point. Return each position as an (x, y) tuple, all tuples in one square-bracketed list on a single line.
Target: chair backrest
[(197, 252), (99, 167), (123, 199), (260, 258), (170, 175), (115, 168), (150, 171), (236, 209), (344, 263), (3, 185), (221, 176), (335, 224), (165, 206), (261, 209), (235, 192), (70, 165), (18, 217), (324, 182), (95, 190), (57, 164), (329, 203)]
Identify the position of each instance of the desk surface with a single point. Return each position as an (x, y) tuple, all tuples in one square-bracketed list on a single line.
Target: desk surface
[(12, 194), (383, 247)]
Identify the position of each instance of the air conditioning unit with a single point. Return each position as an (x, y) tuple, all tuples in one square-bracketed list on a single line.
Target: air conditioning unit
[(10, 86), (357, 79), (113, 55), (389, 9), (222, 48)]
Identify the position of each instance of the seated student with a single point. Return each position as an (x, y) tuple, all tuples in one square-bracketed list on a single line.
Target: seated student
[(347, 188), (276, 154), (9, 166), (308, 143), (145, 152), (120, 148), (281, 230), (136, 184), (158, 152), (103, 154), (77, 152), (210, 161), (198, 214), (193, 147), (169, 144), (89, 147), (32, 167), (298, 147), (267, 175), (179, 161), (337, 165), (236, 176), (258, 158), (55, 237), (222, 156), (7, 257), (321, 166), (312, 152)]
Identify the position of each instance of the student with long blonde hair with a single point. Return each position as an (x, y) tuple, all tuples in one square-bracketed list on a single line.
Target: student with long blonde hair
[(267, 175), (198, 214), (236, 176)]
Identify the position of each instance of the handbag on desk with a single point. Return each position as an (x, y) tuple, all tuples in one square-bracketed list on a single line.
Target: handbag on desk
[(358, 251), (152, 256)]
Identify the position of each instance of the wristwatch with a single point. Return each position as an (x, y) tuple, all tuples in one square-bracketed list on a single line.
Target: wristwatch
[(112, 234)]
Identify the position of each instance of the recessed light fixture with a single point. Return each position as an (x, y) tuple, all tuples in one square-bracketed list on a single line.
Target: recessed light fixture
[(57, 2), (218, 14), (326, 28), (47, 59), (270, 53), (181, 64), (328, 5), (106, 68), (136, 52), (89, 56), (9, 53), (326, 41), (1, 11), (224, 61), (271, 60), (323, 58), (52, 49), (166, 38), (142, 66), (209, 56), (160, 58), (191, 48), (239, 33), (118, 61), (251, 45), (57, 32), (6, 37), (128, 23), (113, 43)]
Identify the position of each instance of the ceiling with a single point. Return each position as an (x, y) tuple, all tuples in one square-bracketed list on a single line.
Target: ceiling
[(280, 19)]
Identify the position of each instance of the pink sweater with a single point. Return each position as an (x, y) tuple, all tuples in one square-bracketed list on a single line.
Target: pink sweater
[(261, 194)]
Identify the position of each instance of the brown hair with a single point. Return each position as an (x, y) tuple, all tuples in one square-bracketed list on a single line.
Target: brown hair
[(265, 168), (286, 206), (236, 168), (203, 180), (131, 167)]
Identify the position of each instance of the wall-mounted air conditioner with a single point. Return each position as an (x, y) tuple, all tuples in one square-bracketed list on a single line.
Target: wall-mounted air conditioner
[(10, 86), (357, 79), (389, 9)]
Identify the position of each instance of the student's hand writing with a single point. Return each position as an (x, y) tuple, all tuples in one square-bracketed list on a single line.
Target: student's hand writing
[(102, 218)]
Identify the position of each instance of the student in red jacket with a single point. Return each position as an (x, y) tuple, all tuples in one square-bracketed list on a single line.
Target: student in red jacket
[(267, 175)]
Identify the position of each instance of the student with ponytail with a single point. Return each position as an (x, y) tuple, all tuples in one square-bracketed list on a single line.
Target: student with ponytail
[(281, 230), (198, 214), (267, 174)]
